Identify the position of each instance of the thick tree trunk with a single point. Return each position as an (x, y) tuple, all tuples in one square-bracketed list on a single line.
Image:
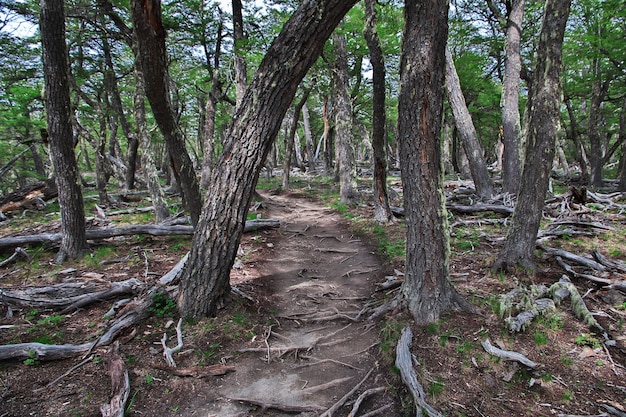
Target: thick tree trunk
[(426, 288), (150, 33), (382, 211), (343, 123), (542, 132), (205, 281), (465, 126), (57, 95), (511, 130)]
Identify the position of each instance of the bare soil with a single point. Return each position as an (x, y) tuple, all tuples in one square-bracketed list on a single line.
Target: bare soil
[(299, 344)]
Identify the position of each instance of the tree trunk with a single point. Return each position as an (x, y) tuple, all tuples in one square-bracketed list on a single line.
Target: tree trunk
[(291, 137), (241, 76), (622, 139), (382, 211), (205, 280), (465, 126), (57, 96), (511, 130), (579, 149), (599, 91), (426, 288), (150, 34), (308, 138), (328, 160), (542, 133), (343, 123)]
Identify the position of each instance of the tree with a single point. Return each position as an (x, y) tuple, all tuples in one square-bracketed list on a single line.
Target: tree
[(205, 279), (426, 289), (344, 144), (382, 211), (150, 34), (542, 132), (57, 95), (465, 126)]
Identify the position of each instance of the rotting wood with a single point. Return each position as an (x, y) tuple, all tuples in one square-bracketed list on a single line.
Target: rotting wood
[(120, 383), (581, 260), (404, 363), (146, 229), (32, 196), (567, 268), (277, 406), (333, 409), (508, 355), (169, 352), (617, 265)]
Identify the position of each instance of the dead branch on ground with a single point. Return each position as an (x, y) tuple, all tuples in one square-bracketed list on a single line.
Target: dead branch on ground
[(507, 355), (276, 406), (120, 384), (342, 400), (363, 397), (168, 352), (405, 364)]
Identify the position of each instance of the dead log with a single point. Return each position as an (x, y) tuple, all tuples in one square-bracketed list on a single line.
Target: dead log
[(480, 208), (616, 265), (30, 197), (120, 384), (405, 364), (508, 355), (18, 252), (146, 229), (581, 260), (56, 296), (567, 268)]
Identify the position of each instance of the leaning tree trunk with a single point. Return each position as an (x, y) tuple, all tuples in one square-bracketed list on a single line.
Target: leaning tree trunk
[(465, 126), (426, 288), (542, 132), (343, 123), (56, 72), (256, 122), (382, 211), (150, 33), (511, 129)]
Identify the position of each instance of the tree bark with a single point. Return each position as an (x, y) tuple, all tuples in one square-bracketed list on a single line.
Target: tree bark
[(291, 137), (382, 211), (426, 289), (343, 123), (241, 76), (542, 132), (57, 95), (308, 138), (622, 139), (511, 129), (598, 92), (150, 34), (465, 126), (204, 284)]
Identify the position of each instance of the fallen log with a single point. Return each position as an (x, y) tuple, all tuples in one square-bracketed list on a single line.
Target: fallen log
[(581, 260), (32, 196), (148, 229), (120, 384)]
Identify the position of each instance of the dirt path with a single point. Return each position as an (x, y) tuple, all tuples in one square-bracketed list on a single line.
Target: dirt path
[(317, 279)]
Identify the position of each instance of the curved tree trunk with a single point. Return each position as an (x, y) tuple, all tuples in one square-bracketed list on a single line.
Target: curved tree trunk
[(57, 94), (382, 211), (426, 288), (542, 132), (344, 146), (150, 33), (205, 280), (511, 130), (465, 126)]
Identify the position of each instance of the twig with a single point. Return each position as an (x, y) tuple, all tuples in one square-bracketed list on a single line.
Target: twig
[(320, 361), (168, 352), (342, 401)]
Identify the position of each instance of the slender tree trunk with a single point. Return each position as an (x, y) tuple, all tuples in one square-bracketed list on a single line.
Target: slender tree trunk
[(241, 76), (308, 138), (291, 137), (256, 122), (511, 130), (426, 290), (57, 96), (328, 160), (465, 126), (343, 123), (598, 92), (382, 211), (622, 139), (574, 136), (542, 133), (150, 34)]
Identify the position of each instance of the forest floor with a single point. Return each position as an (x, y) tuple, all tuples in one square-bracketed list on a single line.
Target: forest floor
[(296, 343)]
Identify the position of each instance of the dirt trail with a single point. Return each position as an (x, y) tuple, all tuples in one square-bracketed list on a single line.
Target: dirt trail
[(317, 271)]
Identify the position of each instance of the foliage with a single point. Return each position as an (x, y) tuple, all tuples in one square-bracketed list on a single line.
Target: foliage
[(163, 305)]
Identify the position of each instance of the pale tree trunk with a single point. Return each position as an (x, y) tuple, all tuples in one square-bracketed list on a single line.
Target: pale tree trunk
[(344, 146), (426, 289), (150, 33), (241, 76), (256, 122), (622, 139), (511, 130), (291, 137), (57, 96), (465, 126), (308, 139), (327, 144), (382, 211), (542, 134), (598, 92)]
